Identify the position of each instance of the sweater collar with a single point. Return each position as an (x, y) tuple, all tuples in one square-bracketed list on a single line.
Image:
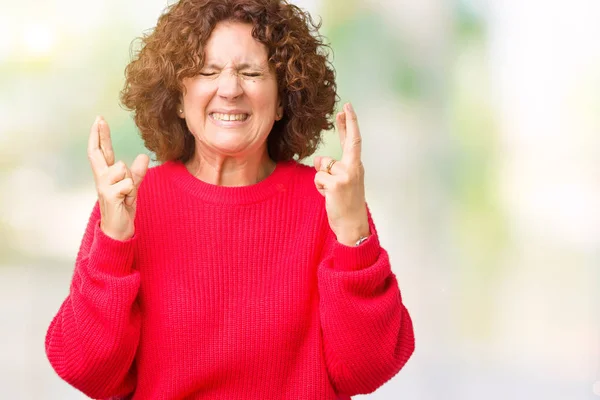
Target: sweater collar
[(276, 182)]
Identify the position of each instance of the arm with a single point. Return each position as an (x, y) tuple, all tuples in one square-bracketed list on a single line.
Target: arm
[(92, 341), (367, 331)]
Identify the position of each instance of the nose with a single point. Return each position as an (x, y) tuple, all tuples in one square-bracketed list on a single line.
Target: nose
[(229, 85)]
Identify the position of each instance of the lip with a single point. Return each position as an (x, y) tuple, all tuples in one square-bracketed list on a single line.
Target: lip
[(231, 111)]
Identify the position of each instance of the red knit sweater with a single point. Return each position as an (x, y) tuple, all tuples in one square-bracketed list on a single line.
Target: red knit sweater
[(229, 293)]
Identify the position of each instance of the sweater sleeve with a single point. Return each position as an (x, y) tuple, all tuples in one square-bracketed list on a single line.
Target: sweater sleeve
[(92, 340), (367, 331)]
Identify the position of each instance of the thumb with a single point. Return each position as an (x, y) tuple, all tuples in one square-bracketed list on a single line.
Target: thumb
[(139, 167), (317, 162)]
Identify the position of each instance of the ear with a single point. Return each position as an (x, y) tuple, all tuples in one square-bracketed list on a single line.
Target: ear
[(279, 112), (180, 112), (179, 109)]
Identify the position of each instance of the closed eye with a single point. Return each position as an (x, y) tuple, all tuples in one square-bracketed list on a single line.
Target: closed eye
[(251, 74), (207, 73)]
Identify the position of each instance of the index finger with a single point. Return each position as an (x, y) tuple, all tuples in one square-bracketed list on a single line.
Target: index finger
[(353, 140), (95, 155)]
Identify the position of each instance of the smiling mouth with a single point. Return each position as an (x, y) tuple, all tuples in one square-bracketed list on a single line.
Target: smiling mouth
[(229, 117)]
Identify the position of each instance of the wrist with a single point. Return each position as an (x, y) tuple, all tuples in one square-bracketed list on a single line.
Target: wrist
[(353, 236), (121, 236)]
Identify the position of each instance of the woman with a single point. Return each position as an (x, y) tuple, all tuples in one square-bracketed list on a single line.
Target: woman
[(230, 271)]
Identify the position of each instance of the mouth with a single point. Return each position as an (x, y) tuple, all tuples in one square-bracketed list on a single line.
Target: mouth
[(241, 117)]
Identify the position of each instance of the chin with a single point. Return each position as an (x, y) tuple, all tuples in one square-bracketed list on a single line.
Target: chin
[(229, 147), (230, 142)]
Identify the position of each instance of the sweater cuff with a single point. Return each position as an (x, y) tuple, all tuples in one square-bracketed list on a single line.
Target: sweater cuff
[(114, 257), (354, 258)]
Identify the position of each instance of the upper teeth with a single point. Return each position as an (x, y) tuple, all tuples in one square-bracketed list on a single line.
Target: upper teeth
[(229, 117)]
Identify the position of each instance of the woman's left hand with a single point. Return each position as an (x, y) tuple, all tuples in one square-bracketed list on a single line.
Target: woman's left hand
[(342, 183)]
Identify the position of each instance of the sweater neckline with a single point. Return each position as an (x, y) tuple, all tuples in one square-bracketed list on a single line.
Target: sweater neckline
[(272, 184)]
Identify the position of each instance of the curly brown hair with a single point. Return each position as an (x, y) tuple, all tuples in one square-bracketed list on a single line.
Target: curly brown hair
[(174, 50)]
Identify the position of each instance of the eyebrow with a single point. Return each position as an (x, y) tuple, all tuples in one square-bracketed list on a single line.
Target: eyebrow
[(239, 66)]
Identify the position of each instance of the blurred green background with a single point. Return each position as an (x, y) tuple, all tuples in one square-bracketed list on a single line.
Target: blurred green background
[(482, 154)]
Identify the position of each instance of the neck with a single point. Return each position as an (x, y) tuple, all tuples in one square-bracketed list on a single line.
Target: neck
[(231, 171)]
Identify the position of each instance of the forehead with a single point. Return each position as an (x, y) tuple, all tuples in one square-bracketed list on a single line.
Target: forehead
[(232, 42)]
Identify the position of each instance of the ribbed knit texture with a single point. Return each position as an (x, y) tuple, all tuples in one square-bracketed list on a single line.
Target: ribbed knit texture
[(229, 293)]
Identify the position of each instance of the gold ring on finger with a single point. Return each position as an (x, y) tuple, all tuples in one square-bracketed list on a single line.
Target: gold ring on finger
[(328, 169)]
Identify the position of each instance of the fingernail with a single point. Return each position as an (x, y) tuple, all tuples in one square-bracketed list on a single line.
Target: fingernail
[(349, 107)]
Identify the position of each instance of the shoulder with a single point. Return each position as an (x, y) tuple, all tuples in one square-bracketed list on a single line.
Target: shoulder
[(304, 172), (158, 180), (303, 181), (158, 171), (169, 179), (304, 198)]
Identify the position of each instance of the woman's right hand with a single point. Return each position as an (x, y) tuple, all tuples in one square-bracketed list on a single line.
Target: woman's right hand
[(117, 185)]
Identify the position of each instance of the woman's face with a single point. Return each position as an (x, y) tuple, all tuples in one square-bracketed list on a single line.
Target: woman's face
[(232, 105)]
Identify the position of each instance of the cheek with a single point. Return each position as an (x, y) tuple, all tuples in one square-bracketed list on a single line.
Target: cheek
[(198, 97), (262, 96)]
